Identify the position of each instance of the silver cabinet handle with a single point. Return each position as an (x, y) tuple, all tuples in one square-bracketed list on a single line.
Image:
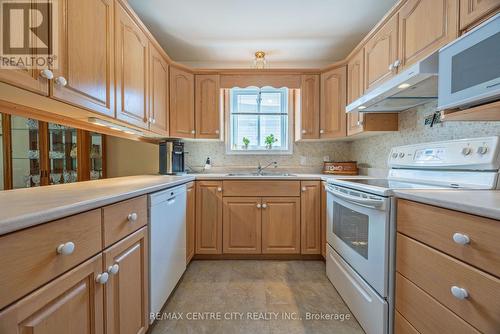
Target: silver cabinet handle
[(459, 293)]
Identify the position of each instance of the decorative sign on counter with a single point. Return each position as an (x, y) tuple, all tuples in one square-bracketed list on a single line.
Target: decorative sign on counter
[(340, 168)]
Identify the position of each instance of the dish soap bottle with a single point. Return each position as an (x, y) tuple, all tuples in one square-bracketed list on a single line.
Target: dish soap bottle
[(208, 164)]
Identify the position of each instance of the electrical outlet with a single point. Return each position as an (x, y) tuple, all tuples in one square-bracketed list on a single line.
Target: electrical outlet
[(432, 119), (326, 158)]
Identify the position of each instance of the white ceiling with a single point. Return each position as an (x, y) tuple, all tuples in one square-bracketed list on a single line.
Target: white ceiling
[(226, 33)]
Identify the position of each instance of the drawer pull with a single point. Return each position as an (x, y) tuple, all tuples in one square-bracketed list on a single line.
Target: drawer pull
[(264, 205), (102, 278), (114, 269), (461, 239), (304, 189), (132, 217), (258, 206), (66, 248), (459, 293), (219, 189)]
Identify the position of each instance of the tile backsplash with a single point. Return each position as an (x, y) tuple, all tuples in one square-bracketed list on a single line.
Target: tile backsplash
[(306, 155), (372, 152)]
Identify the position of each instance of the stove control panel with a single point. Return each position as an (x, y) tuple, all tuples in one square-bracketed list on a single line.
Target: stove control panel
[(475, 153)]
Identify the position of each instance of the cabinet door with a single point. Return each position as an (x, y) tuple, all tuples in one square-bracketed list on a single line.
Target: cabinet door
[(190, 220), (86, 59), (158, 92), (473, 10), (131, 60), (281, 225), (181, 104), (309, 107), (72, 303), (333, 102), (323, 219), (355, 88), (28, 78), (418, 40), (208, 217), (310, 217), (207, 106), (242, 225), (381, 51), (127, 299)]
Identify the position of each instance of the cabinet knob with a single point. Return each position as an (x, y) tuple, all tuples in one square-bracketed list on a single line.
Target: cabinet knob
[(132, 217), (303, 189), (66, 248), (47, 74), (459, 293), (321, 131), (102, 278), (193, 132), (61, 81), (304, 132), (258, 206), (461, 239), (264, 205), (113, 269), (397, 63), (360, 123), (219, 189), (391, 67), (217, 132), (154, 121)]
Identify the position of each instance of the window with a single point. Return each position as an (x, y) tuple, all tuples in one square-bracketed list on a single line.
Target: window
[(259, 121)]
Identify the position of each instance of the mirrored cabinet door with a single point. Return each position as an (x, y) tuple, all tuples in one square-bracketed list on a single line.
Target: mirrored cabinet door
[(96, 167), (63, 154)]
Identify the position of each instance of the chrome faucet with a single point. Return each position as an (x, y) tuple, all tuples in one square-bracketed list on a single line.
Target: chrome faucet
[(260, 169)]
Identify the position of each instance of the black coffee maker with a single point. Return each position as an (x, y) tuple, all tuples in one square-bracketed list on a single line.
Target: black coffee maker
[(172, 157)]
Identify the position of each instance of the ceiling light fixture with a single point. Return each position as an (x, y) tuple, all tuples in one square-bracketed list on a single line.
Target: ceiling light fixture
[(260, 60)]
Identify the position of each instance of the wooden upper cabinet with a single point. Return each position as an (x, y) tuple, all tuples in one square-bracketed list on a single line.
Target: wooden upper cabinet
[(310, 217), (26, 78), (127, 294), (131, 50), (472, 11), (190, 220), (308, 127), (207, 106), (242, 225), (72, 303), (181, 103), (424, 27), (355, 88), (209, 217), (333, 102), (381, 52), (158, 92), (280, 225), (86, 60)]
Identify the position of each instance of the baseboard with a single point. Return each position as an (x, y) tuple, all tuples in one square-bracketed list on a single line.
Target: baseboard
[(284, 257)]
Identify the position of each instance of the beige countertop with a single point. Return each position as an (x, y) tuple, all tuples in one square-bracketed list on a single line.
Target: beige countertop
[(484, 203), (23, 208)]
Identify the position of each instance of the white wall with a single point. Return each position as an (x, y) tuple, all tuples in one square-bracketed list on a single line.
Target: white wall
[(126, 157)]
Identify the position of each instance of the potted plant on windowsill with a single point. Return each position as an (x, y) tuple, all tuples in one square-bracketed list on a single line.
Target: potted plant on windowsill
[(246, 142), (270, 140)]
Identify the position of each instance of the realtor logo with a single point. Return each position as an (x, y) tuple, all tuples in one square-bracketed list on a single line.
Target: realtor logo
[(29, 34)]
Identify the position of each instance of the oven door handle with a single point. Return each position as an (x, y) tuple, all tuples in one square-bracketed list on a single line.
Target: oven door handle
[(374, 203)]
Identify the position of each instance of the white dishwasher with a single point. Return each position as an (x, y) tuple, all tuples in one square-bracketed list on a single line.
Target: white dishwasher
[(167, 243)]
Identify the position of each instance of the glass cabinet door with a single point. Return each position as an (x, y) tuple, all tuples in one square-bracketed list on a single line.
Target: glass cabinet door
[(96, 156), (62, 154), (25, 152)]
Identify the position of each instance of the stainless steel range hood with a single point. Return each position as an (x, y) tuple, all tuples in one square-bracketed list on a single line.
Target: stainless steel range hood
[(416, 85)]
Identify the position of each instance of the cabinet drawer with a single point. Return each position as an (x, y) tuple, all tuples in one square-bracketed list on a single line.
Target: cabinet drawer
[(261, 188), (424, 313), (435, 273), (436, 226), (31, 255), (402, 326), (121, 219)]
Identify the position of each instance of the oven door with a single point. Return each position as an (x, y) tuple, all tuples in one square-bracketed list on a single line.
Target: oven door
[(358, 230)]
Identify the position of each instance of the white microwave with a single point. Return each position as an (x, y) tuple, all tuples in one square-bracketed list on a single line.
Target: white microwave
[(469, 68)]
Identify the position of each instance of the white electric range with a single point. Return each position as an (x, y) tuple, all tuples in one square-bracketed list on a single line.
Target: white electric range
[(361, 218)]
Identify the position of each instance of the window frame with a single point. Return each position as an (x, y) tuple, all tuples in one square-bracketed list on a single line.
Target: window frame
[(286, 100)]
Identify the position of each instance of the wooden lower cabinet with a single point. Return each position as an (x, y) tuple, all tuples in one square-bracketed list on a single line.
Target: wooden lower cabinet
[(281, 225), (209, 217), (72, 303), (242, 225), (310, 217), (190, 220), (126, 292)]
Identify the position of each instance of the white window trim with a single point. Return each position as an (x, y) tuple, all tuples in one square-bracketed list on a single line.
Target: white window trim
[(227, 139)]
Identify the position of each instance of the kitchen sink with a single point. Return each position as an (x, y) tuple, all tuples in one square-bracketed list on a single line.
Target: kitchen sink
[(263, 174)]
